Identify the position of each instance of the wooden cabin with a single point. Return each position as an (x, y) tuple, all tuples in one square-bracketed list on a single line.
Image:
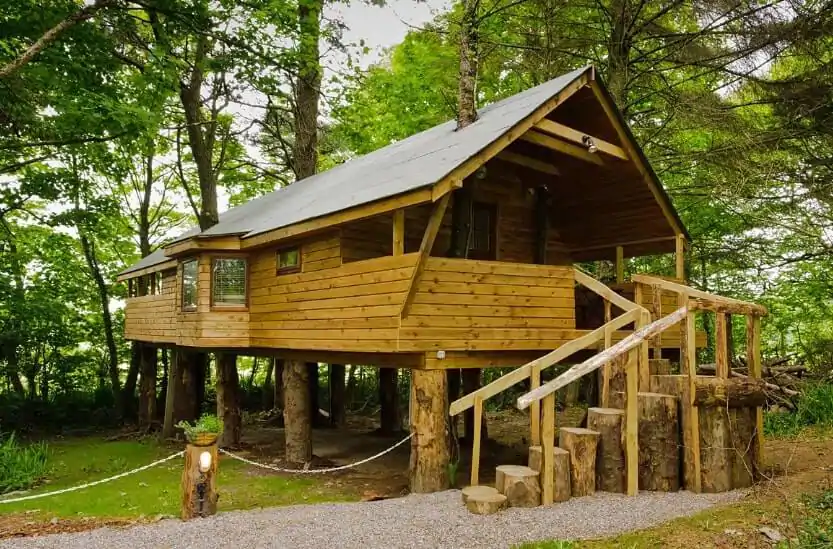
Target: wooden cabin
[(449, 249)]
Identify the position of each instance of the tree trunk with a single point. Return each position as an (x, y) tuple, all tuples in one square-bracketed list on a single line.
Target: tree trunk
[(130, 381), (337, 393), (296, 413), (314, 386), (307, 89), (104, 301), (147, 387), (619, 53), (429, 446), (659, 442), (279, 384), (467, 85), (390, 421), (268, 400), (228, 399)]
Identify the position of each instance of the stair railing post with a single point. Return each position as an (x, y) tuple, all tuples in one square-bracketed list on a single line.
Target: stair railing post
[(605, 388), (753, 361), (632, 423), (691, 416), (548, 451), (535, 407), (475, 448)]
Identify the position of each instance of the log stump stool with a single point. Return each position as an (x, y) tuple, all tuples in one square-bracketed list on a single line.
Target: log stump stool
[(610, 453), (581, 443), (561, 479), (519, 484)]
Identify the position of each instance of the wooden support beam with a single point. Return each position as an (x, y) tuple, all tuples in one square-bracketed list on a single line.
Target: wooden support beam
[(604, 291), (428, 238), (692, 293), (577, 137), (444, 187), (399, 232), (548, 446), (679, 256), (753, 361), (721, 348), (620, 265), (528, 162), (553, 144), (721, 307), (643, 361)]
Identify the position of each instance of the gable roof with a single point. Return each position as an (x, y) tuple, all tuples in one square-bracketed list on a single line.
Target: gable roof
[(414, 163)]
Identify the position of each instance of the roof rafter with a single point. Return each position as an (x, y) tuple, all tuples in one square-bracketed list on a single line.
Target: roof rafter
[(569, 134)]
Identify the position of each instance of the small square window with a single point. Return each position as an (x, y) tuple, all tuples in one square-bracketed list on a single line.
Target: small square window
[(289, 260), (190, 271)]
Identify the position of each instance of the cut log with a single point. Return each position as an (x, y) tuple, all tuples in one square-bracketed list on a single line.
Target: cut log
[(659, 366), (610, 452), (198, 490), (561, 478), (581, 443), (479, 490), (659, 442), (486, 504), (734, 393), (618, 379), (715, 453), (519, 484), (742, 428)]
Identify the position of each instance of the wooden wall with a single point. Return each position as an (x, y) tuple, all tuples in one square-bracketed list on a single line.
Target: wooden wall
[(489, 305), (153, 317), (351, 307)]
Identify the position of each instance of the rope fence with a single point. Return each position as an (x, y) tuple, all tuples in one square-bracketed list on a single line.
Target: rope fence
[(318, 471), (94, 483)]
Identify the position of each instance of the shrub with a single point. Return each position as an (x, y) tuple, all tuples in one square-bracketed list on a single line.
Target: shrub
[(814, 408), (208, 423), (21, 466)]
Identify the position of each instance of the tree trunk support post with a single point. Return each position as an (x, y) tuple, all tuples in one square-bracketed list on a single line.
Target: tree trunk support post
[(604, 390), (399, 232), (721, 345), (620, 265), (199, 482), (632, 424), (753, 361), (429, 446), (679, 256), (691, 416)]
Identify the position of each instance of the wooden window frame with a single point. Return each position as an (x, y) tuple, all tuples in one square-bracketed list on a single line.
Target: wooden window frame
[(231, 306), (288, 270), (189, 308), (493, 231)]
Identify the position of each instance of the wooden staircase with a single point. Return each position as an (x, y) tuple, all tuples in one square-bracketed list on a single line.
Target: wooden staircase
[(647, 429)]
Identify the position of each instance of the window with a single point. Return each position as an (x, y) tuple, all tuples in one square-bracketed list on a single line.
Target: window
[(228, 282), (156, 283), (132, 287), (483, 234), (289, 260), (189, 285)]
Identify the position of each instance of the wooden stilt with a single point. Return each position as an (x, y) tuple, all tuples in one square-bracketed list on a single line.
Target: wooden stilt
[(389, 399), (475, 449), (296, 412), (632, 425), (429, 448), (753, 360), (228, 399), (691, 417), (547, 445)]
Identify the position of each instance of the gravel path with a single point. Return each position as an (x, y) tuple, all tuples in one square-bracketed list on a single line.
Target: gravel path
[(423, 521)]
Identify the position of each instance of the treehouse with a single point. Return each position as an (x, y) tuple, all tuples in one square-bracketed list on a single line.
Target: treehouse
[(452, 249)]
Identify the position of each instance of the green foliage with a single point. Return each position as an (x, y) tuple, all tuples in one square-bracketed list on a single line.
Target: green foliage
[(814, 409), (21, 466), (815, 529), (206, 424)]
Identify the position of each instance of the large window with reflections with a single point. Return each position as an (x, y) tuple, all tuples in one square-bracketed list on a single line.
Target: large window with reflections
[(228, 282), (190, 272)]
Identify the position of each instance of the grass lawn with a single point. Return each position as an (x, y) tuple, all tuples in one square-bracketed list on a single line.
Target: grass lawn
[(155, 491)]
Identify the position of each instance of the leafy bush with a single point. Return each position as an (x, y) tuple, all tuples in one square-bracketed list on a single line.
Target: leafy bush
[(814, 408), (21, 466), (208, 423)]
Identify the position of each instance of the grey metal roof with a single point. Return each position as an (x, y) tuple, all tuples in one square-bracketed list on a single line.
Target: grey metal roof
[(413, 163)]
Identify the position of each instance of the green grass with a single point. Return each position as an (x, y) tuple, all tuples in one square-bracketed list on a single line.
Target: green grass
[(21, 465), (154, 491), (553, 544)]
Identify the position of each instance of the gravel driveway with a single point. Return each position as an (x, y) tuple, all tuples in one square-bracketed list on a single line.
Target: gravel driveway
[(419, 520)]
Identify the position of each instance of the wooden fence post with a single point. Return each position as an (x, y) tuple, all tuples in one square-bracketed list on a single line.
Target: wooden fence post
[(535, 408), (691, 415), (548, 451), (753, 361), (475, 449), (199, 487), (632, 423)]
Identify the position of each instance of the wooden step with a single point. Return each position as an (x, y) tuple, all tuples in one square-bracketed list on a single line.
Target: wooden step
[(561, 479), (479, 490), (519, 484), (610, 452), (659, 442), (486, 503), (582, 444)]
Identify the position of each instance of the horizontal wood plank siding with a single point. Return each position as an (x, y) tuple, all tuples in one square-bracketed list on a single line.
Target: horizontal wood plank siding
[(153, 318), (489, 305), (352, 307)]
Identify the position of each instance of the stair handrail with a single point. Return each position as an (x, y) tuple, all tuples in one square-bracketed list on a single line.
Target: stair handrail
[(606, 292), (520, 374), (599, 360), (689, 292)]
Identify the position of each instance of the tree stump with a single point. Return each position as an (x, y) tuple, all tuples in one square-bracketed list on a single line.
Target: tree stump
[(561, 479), (610, 453), (581, 443), (478, 490), (486, 504), (715, 452), (519, 484), (618, 379), (429, 449), (659, 442), (296, 412), (199, 490), (742, 423)]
